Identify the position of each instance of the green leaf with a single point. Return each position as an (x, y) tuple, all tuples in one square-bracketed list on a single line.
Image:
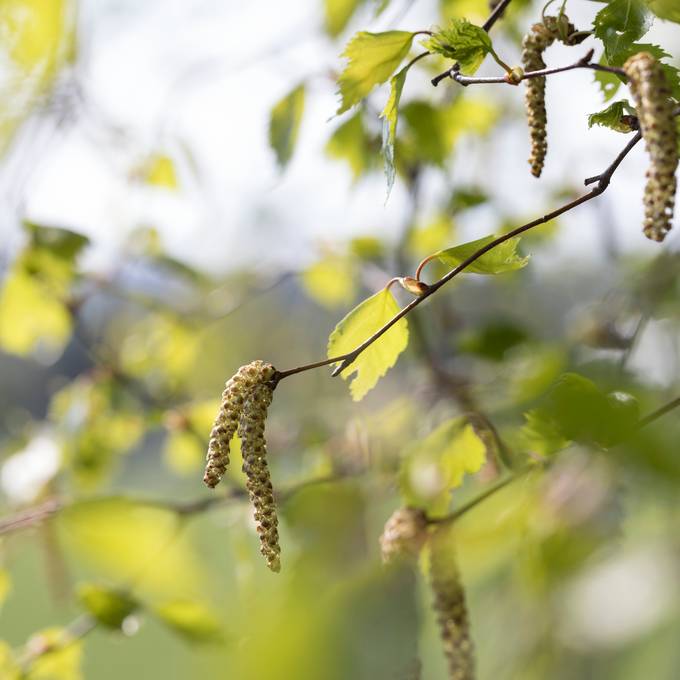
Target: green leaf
[(463, 42), (9, 666), (502, 258), (63, 243), (437, 465), (337, 14), (284, 124), (361, 323), (351, 143), (331, 281), (110, 606), (619, 25), (613, 116), (372, 59), (665, 9), (389, 115), (159, 171), (190, 619), (62, 658)]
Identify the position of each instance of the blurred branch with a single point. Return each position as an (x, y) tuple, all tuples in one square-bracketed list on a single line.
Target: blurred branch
[(344, 360), (655, 415), (497, 13)]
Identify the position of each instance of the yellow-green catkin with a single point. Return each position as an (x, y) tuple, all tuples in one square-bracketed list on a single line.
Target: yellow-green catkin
[(449, 605), (233, 399), (404, 534), (652, 95), (254, 449), (541, 36)]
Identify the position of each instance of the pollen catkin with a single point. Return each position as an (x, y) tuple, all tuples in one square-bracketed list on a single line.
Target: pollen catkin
[(254, 449), (233, 399), (536, 42), (449, 605), (404, 534), (651, 93)]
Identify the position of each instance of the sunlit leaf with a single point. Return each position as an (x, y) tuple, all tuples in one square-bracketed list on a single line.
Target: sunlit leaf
[(503, 258), (372, 59), (133, 542), (331, 281), (435, 466), (110, 606), (337, 14), (59, 656), (191, 620), (477, 9), (389, 115), (431, 236), (665, 9), (9, 667), (284, 124), (5, 585), (619, 25), (184, 451), (613, 116), (351, 143), (159, 170), (362, 322), (463, 42)]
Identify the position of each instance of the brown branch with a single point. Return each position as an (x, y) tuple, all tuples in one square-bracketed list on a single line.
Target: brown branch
[(30, 517), (487, 26)]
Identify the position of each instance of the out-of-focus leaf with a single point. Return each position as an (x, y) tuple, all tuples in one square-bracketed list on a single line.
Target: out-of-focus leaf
[(613, 116), (60, 656), (351, 143), (63, 243), (367, 247), (284, 124), (493, 340), (665, 9), (191, 620), (620, 24), (541, 435), (159, 171), (133, 542), (431, 236), (361, 323), (5, 585), (337, 14), (9, 668), (372, 59), (184, 451), (463, 42), (110, 606), (390, 115), (331, 281), (503, 258), (434, 467)]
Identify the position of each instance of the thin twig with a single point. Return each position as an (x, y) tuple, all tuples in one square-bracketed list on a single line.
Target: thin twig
[(655, 415)]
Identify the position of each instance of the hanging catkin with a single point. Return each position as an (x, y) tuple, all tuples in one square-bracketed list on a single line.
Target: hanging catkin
[(449, 605), (541, 36), (245, 400), (403, 536), (651, 92)]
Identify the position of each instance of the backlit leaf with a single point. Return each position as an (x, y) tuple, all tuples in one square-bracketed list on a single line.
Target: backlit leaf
[(389, 115), (463, 42), (619, 25), (159, 170), (665, 9), (351, 143), (362, 322), (337, 14), (503, 258), (372, 59), (612, 116), (331, 281), (60, 656), (110, 606), (190, 619), (284, 124)]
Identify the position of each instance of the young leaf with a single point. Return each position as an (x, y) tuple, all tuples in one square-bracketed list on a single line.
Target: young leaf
[(284, 124), (438, 464), (502, 258), (110, 606), (358, 326), (389, 132), (462, 41), (191, 620), (613, 117), (619, 25), (372, 59)]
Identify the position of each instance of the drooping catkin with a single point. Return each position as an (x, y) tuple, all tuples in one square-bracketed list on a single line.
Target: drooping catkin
[(404, 534), (652, 96), (449, 605), (541, 36), (258, 482)]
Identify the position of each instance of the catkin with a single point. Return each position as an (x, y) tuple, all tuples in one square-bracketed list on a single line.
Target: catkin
[(449, 605), (254, 449), (403, 536), (652, 96), (541, 36)]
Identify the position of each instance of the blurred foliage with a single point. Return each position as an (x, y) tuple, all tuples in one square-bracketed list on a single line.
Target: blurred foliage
[(514, 413)]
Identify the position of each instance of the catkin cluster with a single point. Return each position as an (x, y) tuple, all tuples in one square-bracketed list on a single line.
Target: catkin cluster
[(245, 401), (449, 605), (541, 36), (404, 534), (652, 95)]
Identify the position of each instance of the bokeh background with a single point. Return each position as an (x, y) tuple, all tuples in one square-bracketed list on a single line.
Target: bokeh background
[(151, 243)]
